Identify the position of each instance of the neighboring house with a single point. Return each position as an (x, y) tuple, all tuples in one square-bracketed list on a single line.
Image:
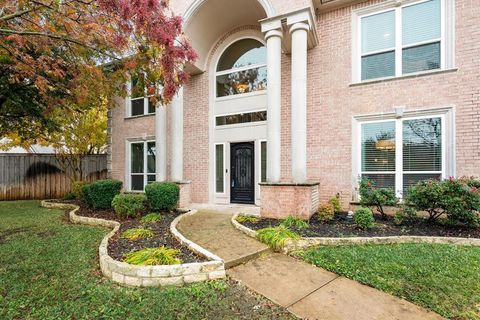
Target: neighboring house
[(33, 149), (292, 101)]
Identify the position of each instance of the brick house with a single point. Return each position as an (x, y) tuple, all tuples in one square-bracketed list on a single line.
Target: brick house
[(292, 101)]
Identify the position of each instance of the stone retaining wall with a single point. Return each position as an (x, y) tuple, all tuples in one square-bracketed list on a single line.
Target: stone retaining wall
[(304, 243), (149, 276)]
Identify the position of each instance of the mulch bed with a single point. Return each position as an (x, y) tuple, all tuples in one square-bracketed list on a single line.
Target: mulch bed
[(342, 227), (117, 246)]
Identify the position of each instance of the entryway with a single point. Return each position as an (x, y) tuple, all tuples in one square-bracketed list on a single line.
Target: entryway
[(242, 169)]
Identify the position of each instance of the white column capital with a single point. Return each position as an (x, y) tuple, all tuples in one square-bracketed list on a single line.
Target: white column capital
[(299, 26), (274, 33)]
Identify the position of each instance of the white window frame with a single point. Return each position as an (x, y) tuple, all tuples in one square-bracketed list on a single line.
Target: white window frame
[(238, 69), (145, 174), (223, 171), (448, 144), (260, 160), (446, 39), (129, 102)]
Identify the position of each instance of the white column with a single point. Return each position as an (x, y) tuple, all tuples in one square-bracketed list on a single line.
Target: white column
[(161, 143), (274, 59), (177, 137), (299, 32)]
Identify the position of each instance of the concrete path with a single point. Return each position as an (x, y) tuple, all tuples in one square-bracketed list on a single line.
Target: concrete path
[(305, 290)]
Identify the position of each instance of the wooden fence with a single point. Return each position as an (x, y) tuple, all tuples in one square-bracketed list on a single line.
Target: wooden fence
[(39, 176)]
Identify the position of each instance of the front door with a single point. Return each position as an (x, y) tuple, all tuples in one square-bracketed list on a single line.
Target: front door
[(242, 172)]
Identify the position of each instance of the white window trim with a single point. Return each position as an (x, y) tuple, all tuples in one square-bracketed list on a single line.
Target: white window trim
[(233, 70), (223, 172), (128, 102), (448, 143), (447, 38), (260, 141), (128, 162)]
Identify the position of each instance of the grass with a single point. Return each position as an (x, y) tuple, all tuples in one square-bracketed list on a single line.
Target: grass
[(49, 270), (153, 256), (275, 237), (443, 278), (137, 233)]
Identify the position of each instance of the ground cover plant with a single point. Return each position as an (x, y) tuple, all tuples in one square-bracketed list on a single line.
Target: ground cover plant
[(49, 270), (443, 278), (151, 217), (247, 218), (137, 233), (153, 256), (275, 237), (292, 222)]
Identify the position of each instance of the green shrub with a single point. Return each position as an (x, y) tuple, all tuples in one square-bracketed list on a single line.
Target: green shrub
[(370, 196), (292, 222), (325, 212), (153, 256), (404, 213), (69, 196), (151, 217), (247, 219), (363, 217), (458, 199), (137, 233), (162, 195), (275, 237), (335, 202), (129, 204), (77, 190), (100, 193)]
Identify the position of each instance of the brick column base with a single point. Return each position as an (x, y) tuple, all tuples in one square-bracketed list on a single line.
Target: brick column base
[(184, 199), (279, 200)]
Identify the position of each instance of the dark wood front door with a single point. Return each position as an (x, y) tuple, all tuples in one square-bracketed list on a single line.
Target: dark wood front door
[(242, 182)]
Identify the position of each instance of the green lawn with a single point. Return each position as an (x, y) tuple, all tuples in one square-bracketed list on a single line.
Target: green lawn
[(49, 270), (443, 278)]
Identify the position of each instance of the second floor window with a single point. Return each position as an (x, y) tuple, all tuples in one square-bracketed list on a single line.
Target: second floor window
[(139, 100), (401, 40)]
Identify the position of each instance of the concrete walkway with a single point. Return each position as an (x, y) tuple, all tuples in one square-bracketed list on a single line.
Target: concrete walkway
[(305, 290)]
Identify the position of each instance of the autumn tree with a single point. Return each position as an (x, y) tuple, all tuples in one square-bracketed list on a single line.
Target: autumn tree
[(54, 54)]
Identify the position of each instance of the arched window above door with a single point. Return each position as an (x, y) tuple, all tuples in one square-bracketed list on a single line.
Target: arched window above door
[(242, 68)]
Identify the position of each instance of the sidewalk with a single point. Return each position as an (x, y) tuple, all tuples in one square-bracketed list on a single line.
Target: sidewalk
[(305, 290)]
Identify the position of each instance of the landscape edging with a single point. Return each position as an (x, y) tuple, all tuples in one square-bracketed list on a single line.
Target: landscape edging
[(148, 276), (304, 243)]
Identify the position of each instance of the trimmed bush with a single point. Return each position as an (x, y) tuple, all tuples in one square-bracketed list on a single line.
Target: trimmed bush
[(137, 233), (292, 222), (153, 256), (371, 196), (458, 199), (129, 204), (335, 202), (162, 195), (69, 196), (100, 193), (275, 237), (77, 190), (151, 217), (363, 217), (325, 212)]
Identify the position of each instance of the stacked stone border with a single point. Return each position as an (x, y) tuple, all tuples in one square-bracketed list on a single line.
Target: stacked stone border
[(148, 276), (303, 243)]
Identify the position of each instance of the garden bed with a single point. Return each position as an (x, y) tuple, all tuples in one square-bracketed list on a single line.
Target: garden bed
[(118, 246), (341, 227)]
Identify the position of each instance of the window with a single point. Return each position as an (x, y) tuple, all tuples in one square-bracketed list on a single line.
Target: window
[(401, 40), (242, 68), (399, 153), (142, 164), (219, 168), (139, 101), (263, 161), (241, 118)]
